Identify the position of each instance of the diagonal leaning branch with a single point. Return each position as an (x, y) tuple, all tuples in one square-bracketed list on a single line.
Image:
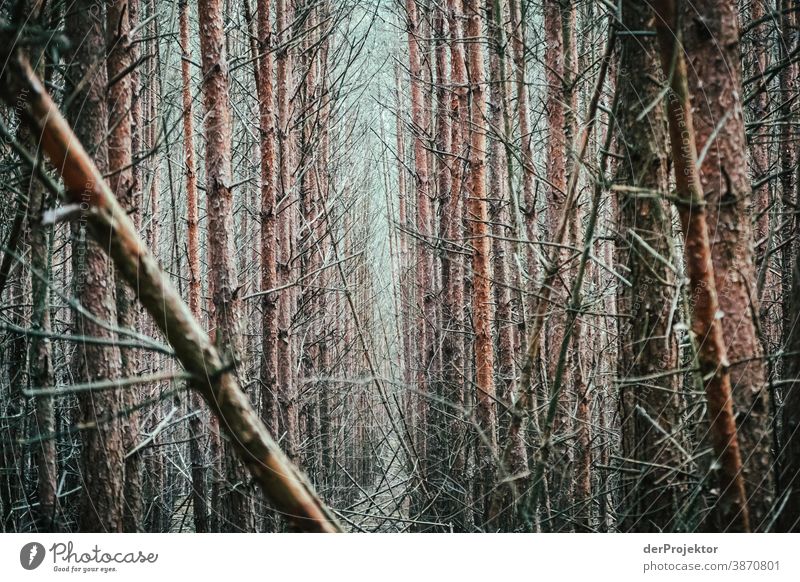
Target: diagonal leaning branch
[(108, 223)]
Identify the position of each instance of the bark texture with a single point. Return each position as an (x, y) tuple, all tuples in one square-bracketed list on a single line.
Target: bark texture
[(102, 448), (649, 402), (238, 513), (482, 300), (731, 509), (711, 41), (120, 170), (197, 434)]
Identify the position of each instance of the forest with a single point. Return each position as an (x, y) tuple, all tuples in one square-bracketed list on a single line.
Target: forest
[(399, 266)]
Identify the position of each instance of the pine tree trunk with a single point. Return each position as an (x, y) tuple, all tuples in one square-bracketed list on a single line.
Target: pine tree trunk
[(286, 209), (120, 159), (731, 509), (787, 155), (102, 449), (500, 193), (420, 111), (789, 458), (196, 432), (41, 361), (237, 505), (528, 192), (266, 103), (649, 408), (482, 300), (40, 358), (323, 234), (711, 40), (454, 361), (556, 164), (438, 451), (759, 145)]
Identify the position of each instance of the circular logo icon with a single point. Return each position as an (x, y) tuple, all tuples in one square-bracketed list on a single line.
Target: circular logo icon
[(31, 555)]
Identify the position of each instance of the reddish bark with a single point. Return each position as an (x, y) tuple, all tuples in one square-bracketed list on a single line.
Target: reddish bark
[(237, 505), (266, 109), (453, 356), (120, 160), (285, 216), (787, 158), (789, 457), (478, 217), (196, 454), (556, 161), (102, 449), (438, 448), (711, 40), (500, 192), (649, 409), (424, 276), (732, 508)]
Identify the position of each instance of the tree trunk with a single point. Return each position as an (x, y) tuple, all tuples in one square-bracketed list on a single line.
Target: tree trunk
[(787, 155), (732, 508), (286, 209), (424, 259), (500, 193), (266, 103), (789, 458), (237, 505), (482, 300), (196, 432), (711, 40), (120, 160), (41, 361), (759, 145), (648, 355), (438, 451), (102, 449), (556, 164), (453, 357)]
